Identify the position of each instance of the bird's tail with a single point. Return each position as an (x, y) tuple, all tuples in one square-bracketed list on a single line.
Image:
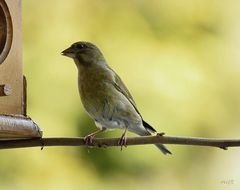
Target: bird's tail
[(148, 131), (163, 149)]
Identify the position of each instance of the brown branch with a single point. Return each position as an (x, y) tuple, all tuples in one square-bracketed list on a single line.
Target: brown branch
[(108, 142)]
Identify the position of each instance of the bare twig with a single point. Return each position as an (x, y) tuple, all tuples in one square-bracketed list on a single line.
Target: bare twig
[(107, 142)]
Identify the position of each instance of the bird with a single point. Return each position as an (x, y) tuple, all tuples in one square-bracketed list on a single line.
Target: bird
[(104, 96)]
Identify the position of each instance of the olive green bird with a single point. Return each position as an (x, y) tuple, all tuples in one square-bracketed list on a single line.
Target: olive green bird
[(104, 95)]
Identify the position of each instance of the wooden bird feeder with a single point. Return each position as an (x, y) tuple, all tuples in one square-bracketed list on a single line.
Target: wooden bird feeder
[(14, 122)]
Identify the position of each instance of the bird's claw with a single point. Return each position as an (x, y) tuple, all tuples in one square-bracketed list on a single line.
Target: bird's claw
[(89, 140), (122, 141)]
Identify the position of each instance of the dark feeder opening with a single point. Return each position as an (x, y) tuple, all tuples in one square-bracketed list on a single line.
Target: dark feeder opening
[(5, 31)]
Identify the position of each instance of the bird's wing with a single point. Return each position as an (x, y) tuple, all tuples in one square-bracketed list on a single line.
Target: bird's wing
[(121, 87)]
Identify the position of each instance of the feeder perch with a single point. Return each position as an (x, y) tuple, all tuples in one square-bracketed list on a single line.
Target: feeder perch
[(14, 122)]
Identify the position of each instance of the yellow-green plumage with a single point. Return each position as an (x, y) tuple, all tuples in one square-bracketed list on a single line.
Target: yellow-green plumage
[(101, 99), (104, 95)]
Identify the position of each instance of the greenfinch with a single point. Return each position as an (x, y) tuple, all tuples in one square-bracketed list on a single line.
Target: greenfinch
[(104, 96)]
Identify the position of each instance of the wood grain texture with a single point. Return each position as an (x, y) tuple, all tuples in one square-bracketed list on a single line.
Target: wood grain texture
[(11, 67), (12, 127)]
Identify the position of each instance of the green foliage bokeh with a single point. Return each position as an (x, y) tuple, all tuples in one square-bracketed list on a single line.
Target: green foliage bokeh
[(179, 59)]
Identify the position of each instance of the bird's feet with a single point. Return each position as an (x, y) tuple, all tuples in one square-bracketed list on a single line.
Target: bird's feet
[(123, 140), (89, 139)]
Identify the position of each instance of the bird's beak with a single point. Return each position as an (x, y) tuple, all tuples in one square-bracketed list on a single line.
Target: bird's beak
[(68, 52)]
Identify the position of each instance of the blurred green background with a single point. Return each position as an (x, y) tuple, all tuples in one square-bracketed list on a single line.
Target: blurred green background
[(181, 62)]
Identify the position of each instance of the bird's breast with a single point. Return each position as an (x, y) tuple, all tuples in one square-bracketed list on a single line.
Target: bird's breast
[(104, 103), (94, 92)]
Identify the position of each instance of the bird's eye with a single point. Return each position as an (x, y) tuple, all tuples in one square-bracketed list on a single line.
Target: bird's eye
[(79, 46)]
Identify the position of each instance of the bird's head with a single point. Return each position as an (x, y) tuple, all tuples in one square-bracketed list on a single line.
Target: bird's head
[(84, 53)]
